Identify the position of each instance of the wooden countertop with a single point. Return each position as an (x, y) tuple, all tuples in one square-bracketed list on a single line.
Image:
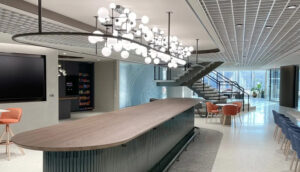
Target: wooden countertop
[(105, 130)]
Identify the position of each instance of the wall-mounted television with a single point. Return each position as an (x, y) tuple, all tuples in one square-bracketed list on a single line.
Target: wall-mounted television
[(22, 77)]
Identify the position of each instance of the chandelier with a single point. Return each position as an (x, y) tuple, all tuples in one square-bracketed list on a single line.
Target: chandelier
[(125, 33), (151, 43)]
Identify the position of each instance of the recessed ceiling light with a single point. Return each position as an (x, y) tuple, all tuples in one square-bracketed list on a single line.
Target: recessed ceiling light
[(239, 25), (268, 27), (64, 53), (292, 7)]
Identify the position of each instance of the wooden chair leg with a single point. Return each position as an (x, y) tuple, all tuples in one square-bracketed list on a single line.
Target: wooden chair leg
[(292, 163), (279, 136), (225, 117), (2, 135), (297, 161), (283, 143), (287, 150), (234, 121), (12, 134), (240, 118), (275, 132)]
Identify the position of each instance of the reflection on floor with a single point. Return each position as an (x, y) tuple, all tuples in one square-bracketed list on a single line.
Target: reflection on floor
[(248, 148), (200, 154)]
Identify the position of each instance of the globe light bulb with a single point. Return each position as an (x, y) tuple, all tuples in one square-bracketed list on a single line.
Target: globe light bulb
[(148, 60), (103, 13), (138, 51), (170, 65), (144, 54), (145, 19), (118, 47), (155, 29), (149, 36), (112, 5), (132, 23), (115, 33), (92, 39), (124, 54), (138, 33), (123, 18), (126, 11), (106, 51), (153, 54), (156, 61), (111, 42), (95, 39), (174, 38), (175, 65), (126, 45), (132, 16), (191, 48)]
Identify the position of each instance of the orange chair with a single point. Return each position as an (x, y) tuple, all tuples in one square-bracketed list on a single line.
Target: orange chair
[(12, 116), (239, 106), (212, 109), (230, 110)]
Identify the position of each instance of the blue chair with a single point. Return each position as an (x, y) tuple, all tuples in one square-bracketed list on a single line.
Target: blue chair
[(284, 123), (275, 116), (294, 130), (281, 118), (296, 140)]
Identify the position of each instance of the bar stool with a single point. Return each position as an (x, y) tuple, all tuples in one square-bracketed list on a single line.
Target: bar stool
[(13, 116)]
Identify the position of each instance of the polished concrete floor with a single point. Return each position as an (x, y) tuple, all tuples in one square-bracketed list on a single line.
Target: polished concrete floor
[(247, 148)]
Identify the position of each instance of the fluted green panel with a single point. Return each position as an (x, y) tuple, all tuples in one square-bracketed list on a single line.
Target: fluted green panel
[(140, 154)]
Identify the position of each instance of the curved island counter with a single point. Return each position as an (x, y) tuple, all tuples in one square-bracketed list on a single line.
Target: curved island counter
[(138, 138)]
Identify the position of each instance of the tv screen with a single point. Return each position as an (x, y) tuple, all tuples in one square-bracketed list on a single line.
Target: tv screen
[(22, 77)]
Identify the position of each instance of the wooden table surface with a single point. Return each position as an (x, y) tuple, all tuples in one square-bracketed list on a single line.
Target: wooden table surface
[(105, 130)]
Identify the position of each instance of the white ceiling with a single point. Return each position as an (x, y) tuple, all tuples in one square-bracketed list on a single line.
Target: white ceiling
[(242, 26), (184, 23)]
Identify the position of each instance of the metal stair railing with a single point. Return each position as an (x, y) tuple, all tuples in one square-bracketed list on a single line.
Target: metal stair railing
[(220, 80)]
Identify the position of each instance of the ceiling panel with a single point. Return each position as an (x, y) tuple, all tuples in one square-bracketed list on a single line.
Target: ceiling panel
[(255, 32)]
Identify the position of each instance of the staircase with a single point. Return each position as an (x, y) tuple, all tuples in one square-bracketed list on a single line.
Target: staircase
[(195, 75), (191, 75), (208, 93)]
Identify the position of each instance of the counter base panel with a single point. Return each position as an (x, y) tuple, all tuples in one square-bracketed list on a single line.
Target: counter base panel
[(151, 151)]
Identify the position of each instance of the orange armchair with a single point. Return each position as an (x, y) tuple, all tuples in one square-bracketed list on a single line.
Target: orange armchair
[(239, 107), (212, 109), (230, 110), (12, 116)]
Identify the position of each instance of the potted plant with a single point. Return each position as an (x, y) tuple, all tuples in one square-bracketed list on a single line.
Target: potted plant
[(256, 90), (254, 94)]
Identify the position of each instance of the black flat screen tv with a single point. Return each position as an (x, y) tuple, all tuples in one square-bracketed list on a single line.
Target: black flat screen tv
[(22, 77)]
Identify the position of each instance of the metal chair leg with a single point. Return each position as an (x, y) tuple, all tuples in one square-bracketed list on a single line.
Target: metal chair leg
[(7, 143)]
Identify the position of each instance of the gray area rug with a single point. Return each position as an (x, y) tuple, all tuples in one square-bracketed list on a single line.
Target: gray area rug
[(200, 154)]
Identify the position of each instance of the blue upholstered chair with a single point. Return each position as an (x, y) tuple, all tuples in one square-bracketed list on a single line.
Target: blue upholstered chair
[(296, 140)]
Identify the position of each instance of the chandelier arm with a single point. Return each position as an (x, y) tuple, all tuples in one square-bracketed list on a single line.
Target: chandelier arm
[(40, 15)]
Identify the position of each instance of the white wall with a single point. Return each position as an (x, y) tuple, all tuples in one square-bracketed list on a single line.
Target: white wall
[(106, 86), (36, 114)]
